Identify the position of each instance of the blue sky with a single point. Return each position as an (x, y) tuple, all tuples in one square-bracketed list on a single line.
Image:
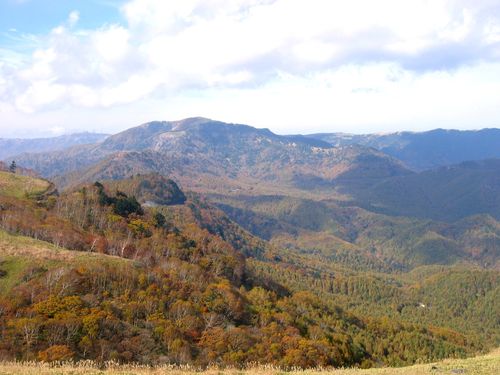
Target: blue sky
[(289, 65), (40, 16)]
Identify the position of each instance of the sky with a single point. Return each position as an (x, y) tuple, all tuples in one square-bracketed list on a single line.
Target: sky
[(294, 66)]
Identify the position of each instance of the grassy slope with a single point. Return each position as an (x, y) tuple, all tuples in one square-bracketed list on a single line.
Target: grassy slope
[(19, 253), (483, 365), (19, 186)]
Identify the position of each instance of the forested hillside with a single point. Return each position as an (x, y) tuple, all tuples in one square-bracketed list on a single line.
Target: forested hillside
[(361, 239), (447, 193), (105, 277)]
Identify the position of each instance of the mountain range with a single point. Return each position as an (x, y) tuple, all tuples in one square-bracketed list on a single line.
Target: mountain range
[(214, 157), (228, 240), (12, 147), (426, 150)]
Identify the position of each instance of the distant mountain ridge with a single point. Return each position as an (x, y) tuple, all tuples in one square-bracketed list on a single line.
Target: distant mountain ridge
[(162, 135), (218, 158), (446, 193), (12, 147), (202, 148), (417, 150), (426, 150)]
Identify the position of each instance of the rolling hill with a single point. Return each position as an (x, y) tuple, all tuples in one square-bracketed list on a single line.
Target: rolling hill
[(16, 185)]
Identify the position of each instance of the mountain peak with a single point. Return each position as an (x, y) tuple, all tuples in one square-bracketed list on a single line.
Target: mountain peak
[(190, 122)]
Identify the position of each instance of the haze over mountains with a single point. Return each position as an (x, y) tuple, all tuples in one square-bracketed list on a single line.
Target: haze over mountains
[(12, 147), (429, 149)]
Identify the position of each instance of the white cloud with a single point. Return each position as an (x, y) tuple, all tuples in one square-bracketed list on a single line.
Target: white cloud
[(40, 94), (315, 51), (73, 18), (321, 61), (111, 44)]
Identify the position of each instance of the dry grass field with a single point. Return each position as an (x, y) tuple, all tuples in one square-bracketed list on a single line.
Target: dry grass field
[(482, 365)]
